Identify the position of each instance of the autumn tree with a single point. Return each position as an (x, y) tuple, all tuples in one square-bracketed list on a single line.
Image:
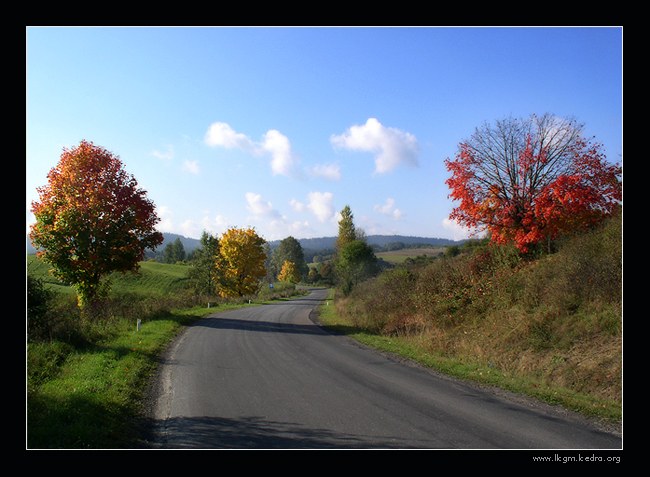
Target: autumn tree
[(239, 263), (92, 219), (530, 181), (289, 272), (347, 231)]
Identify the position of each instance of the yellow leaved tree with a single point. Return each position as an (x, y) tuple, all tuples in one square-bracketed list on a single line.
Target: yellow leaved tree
[(289, 272), (239, 263)]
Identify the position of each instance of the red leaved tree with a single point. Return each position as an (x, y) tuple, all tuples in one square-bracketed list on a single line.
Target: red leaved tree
[(92, 219), (529, 181)]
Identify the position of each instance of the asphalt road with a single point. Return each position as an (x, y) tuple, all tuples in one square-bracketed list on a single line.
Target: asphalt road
[(268, 377)]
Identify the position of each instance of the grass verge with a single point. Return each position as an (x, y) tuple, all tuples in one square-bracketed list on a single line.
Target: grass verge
[(92, 396), (413, 347)]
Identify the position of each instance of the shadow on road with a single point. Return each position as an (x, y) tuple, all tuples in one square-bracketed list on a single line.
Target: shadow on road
[(261, 326), (257, 433)]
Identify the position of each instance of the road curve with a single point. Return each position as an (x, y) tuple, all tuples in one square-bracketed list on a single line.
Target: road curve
[(268, 377)]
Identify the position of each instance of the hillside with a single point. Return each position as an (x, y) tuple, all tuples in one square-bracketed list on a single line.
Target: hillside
[(153, 279), (549, 326)]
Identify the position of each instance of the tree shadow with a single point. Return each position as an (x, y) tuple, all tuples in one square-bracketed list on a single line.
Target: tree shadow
[(259, 326), (254, 432)]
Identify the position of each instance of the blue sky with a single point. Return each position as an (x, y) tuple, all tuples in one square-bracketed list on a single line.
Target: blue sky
[(280, 128)]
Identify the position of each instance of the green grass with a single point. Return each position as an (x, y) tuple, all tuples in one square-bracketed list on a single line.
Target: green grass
[(400, 256), (92, 397), (153, 278)]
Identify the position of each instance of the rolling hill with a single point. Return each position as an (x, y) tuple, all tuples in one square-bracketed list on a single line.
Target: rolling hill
[(386, 242)]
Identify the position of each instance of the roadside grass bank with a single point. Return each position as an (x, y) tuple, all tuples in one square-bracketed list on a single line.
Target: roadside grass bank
[(91, 395), (548, 327), (418, 349)]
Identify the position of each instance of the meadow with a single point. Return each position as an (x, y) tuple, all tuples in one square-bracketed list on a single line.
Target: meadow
[(400, 256)]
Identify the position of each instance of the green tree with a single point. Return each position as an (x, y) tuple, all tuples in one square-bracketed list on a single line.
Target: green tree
[(92, 219), (202, 272), (326, 272), (174, 252), (355, 262), (355, 259), (290, 250)]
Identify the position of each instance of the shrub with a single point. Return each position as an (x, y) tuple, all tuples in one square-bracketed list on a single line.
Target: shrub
[(38, 300)]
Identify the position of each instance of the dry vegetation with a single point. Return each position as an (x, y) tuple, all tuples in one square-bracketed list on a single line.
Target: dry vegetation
[(555, 320)]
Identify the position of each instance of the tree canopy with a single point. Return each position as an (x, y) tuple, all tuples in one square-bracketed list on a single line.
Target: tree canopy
[(92, 219), (239, 263), (290, 250), (529, 180), (355, 259)]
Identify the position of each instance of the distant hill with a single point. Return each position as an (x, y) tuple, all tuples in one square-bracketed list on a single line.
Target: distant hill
[(383, 241), (189, 244), (387, 242)]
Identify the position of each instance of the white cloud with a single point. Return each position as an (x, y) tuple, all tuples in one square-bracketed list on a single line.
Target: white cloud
[(259, 207), (221, 134), (457, 231), (191, 166), (283, 161), (214, 226), (274, 144), (189, 228), (165, 214), (330, 172), (391, 146), (297, 205), (320, 204), (389, 209)]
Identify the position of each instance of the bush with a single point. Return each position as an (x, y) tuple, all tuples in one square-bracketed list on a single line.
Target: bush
[(38, 301)]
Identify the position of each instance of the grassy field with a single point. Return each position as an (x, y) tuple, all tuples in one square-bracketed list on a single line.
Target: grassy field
[(153, 278), (400, 256)]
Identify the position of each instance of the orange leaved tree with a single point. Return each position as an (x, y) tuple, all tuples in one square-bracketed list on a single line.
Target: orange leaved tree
[(239, 263), (92, 219), (530, 181)]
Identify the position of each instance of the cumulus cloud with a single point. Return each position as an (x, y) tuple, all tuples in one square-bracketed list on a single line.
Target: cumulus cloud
[(391, 146), (297, 205), (388, 208), (260, 207), (273, 144), (330, 172), (221, 134), (275, 224), (165, 214), (320, 204), (457, 231), (283, 161)]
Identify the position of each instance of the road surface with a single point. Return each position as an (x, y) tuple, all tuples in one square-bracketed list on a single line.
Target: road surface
[(269, 377)]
